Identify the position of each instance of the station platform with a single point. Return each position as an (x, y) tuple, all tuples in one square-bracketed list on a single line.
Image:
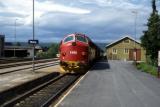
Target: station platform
[(114, 84), (13, 79)]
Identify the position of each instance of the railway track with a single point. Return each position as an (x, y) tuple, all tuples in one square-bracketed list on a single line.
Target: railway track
[(39, 93), (2, 66), (36, 67), (14, 60)]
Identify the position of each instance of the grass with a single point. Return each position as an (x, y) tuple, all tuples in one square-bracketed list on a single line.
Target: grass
[(144, 67)]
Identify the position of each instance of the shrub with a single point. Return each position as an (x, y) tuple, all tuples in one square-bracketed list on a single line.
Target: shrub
[(144, 67)]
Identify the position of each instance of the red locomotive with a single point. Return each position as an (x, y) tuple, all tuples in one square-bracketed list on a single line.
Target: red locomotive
[(77, 53)]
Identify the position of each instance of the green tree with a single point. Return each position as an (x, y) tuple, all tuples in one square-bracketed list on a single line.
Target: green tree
[(53, 50), (151, 39), (50, 53), (42, 55)]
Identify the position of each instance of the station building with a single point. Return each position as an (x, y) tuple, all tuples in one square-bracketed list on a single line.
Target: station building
[(2, 39), (125, 48), (20, 51), (7, 49)]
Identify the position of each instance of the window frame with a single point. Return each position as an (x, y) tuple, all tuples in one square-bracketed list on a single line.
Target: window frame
[(82, 37), (126, 52), (114, 52), (70, 40)]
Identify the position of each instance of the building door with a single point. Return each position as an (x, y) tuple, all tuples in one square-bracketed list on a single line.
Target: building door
[(138, 54), (131, 55)]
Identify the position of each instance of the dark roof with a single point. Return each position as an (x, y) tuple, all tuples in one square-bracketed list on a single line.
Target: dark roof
[(123, 38)]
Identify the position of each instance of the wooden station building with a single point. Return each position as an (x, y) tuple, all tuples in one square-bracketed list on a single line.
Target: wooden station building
[(125, 48)]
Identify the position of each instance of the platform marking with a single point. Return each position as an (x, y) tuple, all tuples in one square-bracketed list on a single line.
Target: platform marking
[(70, 90)]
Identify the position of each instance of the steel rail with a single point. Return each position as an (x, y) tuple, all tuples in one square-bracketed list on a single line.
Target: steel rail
[(8, 95), (2, 66), (44, 94), (14, 60), (36, 68)]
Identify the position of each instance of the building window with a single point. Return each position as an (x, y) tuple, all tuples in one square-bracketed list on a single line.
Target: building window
[(126, 41), (114, 51), (126, 51)]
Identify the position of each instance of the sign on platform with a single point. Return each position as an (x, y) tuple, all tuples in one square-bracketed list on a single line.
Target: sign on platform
[(34, 42)]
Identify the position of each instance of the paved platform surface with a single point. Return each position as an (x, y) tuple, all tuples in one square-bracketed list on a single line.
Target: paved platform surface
[(19, 77), (117, 84)]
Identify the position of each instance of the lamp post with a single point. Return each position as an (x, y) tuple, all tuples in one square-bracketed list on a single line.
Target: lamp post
[(135, 34), (33, 66), (15, 34)]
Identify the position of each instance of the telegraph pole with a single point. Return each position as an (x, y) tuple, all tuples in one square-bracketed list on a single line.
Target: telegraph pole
[(135, 34), (33, 66), (15, 34)]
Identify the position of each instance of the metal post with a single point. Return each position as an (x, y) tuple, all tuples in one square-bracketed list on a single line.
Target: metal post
[(15, 25), (135, 33), (33, 66), (135, 28)]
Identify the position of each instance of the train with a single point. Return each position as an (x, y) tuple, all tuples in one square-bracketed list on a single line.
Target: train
[(77, 53)]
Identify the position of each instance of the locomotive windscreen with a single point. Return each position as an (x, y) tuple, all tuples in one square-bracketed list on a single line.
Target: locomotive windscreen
[(69, 38), (82, 39)]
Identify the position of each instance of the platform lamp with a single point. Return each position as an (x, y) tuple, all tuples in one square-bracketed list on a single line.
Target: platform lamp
[(33, 66), (135, 34), (15, 34)]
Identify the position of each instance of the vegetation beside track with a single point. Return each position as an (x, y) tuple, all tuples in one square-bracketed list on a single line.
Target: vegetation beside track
[(50, 53), (144, 67)]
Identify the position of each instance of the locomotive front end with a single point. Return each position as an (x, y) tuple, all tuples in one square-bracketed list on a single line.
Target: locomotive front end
[(74, 53)]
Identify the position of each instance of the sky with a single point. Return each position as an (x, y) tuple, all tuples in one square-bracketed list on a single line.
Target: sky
[(102, 20)]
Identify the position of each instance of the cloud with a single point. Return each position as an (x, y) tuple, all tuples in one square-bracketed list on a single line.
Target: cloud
[(97, 2), (24, 7), (101, 20)]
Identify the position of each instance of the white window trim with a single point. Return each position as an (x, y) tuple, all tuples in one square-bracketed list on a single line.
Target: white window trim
[(125, 50), (82, 41), (69, 41), (114, 52)]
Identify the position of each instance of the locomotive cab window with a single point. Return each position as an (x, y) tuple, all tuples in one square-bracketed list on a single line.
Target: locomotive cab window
[(81, 39), (70, 38)]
